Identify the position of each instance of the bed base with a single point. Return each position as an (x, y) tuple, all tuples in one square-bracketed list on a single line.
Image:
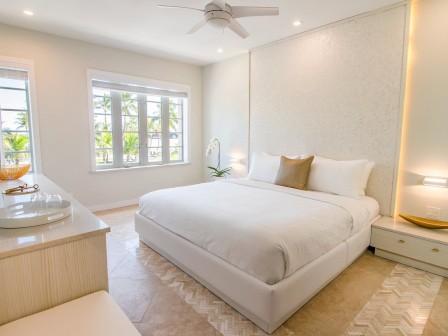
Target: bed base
[(268, 306)]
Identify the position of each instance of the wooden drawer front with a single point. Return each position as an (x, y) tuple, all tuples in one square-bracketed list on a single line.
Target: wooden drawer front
[(415, 248)]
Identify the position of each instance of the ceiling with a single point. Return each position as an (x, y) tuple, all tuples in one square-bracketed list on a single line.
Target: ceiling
[(140, 26)]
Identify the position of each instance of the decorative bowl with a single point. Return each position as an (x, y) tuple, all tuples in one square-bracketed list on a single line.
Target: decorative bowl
[(13, 172), (425, 222)]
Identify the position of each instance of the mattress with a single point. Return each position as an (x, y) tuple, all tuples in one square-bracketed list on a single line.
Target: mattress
[(266, 230)]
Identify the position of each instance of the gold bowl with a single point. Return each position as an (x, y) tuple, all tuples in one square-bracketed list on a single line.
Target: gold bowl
[(13, 172)]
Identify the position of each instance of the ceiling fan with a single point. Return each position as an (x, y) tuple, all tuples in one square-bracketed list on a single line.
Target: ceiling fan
[(221, 15)]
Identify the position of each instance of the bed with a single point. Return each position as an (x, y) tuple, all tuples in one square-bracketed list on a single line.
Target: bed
[(263, 248)]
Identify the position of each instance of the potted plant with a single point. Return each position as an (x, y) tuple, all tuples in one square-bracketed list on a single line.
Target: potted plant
[(216, 172)]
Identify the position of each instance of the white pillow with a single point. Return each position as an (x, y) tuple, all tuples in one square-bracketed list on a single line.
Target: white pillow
[(343, 178), (365, 177), (264, 168)]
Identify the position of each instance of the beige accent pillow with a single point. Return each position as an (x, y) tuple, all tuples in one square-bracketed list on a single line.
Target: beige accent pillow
[(293, 173)]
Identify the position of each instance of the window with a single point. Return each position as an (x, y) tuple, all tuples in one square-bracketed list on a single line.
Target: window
[(16, 132), (137, 122)]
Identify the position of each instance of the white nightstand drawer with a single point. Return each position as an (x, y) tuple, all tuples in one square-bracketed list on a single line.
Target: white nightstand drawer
[(415, 248)]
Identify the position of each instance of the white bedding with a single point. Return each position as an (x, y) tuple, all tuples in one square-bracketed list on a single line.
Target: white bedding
[(266, 230)]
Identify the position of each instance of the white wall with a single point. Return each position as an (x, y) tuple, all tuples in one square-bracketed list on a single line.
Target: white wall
[(424, 146), (226, 111), (425, 136), (334, 92), (61, 80)]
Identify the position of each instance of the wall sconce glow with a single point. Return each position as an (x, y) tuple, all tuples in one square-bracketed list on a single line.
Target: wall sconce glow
[(297, 23), (220, 50), (235, 161), (28, 12), (441, 182)]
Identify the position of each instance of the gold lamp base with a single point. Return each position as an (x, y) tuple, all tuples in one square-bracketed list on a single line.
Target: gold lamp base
[(425, 222)]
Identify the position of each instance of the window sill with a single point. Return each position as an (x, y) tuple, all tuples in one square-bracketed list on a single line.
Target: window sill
[(107, 170)]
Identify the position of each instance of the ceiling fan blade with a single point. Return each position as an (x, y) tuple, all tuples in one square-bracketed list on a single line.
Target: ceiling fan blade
[(195, 28), (243, 11), (238, 29), (220, 3), (176, 7)]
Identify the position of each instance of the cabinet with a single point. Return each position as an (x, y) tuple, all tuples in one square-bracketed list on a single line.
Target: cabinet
[(47, 265), (409, 244)]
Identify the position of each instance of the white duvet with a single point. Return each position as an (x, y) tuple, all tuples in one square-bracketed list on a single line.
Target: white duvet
[(267, 230)]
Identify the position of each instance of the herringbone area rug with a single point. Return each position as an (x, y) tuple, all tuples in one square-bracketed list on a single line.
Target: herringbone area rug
[(400, 305)]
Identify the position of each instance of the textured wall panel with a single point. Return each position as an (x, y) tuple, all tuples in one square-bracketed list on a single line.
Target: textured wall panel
[(334, 93)]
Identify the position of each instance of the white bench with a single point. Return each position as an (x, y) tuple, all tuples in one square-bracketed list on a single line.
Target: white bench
[(95, 314)]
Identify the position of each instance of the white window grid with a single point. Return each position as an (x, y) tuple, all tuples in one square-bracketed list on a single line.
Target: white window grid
[(165, 141), (29, 133)]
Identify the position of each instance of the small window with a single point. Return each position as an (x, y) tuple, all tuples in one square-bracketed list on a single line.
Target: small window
[(17, 141), (137, 122)]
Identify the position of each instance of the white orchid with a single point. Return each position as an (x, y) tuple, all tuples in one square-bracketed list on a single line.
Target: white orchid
[(216, 171), (212, 145)]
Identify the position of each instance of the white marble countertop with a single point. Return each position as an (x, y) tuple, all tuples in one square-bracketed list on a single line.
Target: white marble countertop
[(82, 223)]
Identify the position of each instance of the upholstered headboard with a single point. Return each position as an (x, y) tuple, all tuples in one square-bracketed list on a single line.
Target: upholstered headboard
[(334, 92)]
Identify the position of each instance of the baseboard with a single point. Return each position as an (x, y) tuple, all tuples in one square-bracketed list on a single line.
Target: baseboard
[(120, 204)]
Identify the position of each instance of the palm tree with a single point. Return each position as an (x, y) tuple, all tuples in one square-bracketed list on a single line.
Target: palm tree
[(129, 105), (16, 143), (22, 121), (154, 126), (103, 135), (130, 146), (129, 109), (174, 121), (103, 141), (103, 102)]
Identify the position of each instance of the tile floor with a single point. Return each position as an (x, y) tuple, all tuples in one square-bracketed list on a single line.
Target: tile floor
[(160, 299)]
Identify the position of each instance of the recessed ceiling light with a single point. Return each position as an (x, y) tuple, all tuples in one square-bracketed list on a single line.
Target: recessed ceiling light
[(28, 12), (220, 50), (297, 23)]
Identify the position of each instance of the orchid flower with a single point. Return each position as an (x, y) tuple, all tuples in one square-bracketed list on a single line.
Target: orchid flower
[(212, 145)]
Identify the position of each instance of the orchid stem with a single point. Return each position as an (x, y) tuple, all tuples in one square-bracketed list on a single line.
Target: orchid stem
[(219, 154)]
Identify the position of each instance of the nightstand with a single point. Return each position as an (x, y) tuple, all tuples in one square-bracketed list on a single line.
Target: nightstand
[(409, 244)]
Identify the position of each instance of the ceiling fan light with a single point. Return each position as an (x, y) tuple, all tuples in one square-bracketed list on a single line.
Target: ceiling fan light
[(219, 23)]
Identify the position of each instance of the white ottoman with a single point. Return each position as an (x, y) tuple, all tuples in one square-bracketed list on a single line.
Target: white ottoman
[(95, 314)]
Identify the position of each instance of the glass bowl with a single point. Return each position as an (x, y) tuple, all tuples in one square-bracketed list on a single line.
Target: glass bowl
[(13, 172)]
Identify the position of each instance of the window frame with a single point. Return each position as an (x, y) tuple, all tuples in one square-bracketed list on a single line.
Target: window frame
[(145, 82), (28, 65)]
